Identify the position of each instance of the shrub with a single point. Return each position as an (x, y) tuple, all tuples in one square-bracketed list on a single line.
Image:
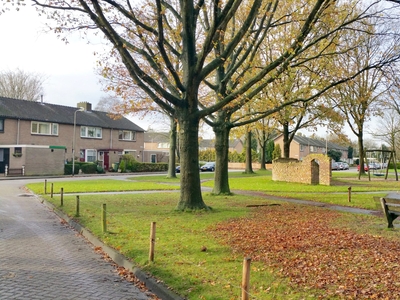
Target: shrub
[(122, 166), (68, 168), (88, 168)]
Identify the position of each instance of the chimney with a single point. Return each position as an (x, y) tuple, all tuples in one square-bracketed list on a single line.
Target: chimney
[(86, 105)]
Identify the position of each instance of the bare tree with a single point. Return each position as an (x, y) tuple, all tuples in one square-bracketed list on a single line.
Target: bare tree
[(21, 85), (109, 104), (360, 99), (389, 130)]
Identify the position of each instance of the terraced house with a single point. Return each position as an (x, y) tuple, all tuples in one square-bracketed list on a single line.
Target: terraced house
[(39, 138)]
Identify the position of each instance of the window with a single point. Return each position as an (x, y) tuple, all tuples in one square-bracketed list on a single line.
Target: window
[(91, 132), (127, 135), (313, 149), (44, 128), (90, 155), (301, 147), (1, 125)]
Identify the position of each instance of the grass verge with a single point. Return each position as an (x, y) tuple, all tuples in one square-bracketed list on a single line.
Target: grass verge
[(197, 263)]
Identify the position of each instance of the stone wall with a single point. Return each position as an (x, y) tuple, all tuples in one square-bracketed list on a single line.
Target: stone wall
[(314, 169)]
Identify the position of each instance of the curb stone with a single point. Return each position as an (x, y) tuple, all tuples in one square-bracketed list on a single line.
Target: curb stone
[(159, 289)]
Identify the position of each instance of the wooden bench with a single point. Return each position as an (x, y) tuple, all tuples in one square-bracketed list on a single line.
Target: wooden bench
[(15, 172), (390, 207)]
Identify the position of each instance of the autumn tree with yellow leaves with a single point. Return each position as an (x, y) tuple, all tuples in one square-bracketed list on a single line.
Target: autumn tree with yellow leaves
[(177, 52)]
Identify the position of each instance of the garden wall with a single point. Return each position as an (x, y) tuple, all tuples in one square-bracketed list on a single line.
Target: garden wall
[(313, 169)]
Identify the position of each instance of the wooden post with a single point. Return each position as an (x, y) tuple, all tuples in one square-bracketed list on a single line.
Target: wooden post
[(103, 218), (51, 191), (349, 188), (62, 196), (77, 206), (45, 186), (152, 240), (386, 212), (246, 278)]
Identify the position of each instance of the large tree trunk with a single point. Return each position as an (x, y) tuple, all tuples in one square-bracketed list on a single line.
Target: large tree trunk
[(190, 196), (286, 142), (172, 149), (249, 167), (221, 178)]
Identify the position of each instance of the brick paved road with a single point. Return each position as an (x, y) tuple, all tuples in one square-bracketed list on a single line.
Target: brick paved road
[(40, 258)]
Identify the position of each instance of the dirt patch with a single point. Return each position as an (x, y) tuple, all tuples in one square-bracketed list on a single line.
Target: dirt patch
[(301, 244)]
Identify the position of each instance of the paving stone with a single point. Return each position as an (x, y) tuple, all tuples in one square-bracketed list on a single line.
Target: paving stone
[(41, 258)]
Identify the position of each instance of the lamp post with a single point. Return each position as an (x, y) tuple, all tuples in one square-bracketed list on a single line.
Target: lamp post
[(73, 141)]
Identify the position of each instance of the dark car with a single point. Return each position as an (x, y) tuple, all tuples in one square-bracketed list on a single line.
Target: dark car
[(210, 166)]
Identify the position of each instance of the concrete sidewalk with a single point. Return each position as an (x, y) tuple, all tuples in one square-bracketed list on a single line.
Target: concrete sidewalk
[(41, 257)]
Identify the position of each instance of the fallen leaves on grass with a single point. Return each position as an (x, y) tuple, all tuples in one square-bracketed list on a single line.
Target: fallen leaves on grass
[(300, 244)]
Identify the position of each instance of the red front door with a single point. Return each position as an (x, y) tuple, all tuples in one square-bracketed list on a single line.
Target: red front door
[(106, 161)]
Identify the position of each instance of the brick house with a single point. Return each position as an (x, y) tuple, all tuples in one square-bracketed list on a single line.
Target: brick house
[(156, 147), (234, 145), (302, 146), (40, 136)]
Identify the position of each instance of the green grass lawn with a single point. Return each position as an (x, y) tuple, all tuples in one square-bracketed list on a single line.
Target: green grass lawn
[(180, 237)]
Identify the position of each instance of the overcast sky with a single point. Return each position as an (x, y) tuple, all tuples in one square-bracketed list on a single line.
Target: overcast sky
[(70, 68)]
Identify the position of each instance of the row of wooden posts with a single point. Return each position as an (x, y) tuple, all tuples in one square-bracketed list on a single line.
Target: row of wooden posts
[(246, 261)]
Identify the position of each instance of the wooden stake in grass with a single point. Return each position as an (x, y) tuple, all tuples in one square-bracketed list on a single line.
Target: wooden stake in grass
[(45, 186), (152, 241), (77, 206), (246, 278), (62, 196), (349, 188), (103, 218), (51, 191)]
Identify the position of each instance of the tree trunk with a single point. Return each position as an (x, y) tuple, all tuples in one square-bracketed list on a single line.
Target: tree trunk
[(263, 146), (190, 196), (221, 178), (361, 162), (249, 167), (172, 149), (286, 143)]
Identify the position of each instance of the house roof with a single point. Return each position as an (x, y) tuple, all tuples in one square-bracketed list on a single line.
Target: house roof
[(302, 140), (210, 143), (156, 137), (45, 112)]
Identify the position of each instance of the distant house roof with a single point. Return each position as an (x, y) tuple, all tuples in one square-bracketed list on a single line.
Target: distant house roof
[(156, 137), (45, 112), (206, 143), (302, 140), (210, 143)]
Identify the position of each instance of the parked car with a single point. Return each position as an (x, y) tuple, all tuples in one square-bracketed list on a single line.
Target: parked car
[(343, 165), (334, 166), (374, 166), (365, 168), (210, 166), (178, 169)]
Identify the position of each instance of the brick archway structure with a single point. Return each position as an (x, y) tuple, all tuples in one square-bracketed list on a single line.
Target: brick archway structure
[(314, 169)]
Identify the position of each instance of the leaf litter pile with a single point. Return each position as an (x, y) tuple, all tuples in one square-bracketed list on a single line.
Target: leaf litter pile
[(302, 244)]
